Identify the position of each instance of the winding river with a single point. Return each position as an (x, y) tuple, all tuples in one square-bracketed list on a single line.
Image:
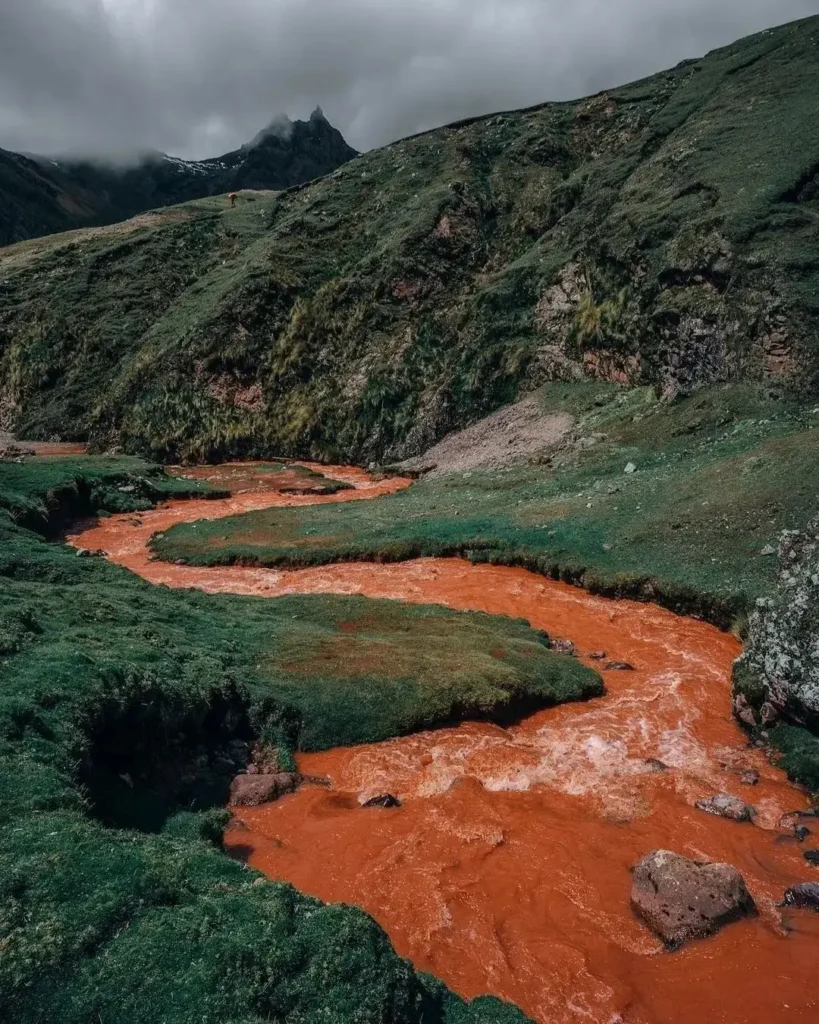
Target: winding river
[(506, 869)]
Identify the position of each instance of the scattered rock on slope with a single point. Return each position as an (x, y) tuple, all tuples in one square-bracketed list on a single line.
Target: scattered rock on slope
[(681, 899), (515, 433)]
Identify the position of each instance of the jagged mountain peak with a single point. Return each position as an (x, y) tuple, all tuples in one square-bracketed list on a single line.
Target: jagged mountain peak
[(40, 196)]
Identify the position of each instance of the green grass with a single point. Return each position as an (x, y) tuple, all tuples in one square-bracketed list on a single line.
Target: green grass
[(116, 903), (719, 475), (799, 750), (407, 293)]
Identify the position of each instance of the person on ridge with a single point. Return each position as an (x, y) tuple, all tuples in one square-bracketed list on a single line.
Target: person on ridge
[(232, 197)]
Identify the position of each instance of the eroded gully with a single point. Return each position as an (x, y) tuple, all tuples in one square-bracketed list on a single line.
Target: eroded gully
[(506, 870)]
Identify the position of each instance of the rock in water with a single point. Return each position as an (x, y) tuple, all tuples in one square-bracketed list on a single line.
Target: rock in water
[(811, 856), (806, 895), (681, 899), (726, 806), (384, 800), (560, 646), (618, 666), (252, 790)]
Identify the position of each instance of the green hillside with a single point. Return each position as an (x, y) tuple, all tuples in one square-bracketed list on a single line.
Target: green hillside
[(666, 232)]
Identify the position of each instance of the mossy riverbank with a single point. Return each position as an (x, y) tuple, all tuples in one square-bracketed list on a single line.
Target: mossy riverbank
[(116, 902)]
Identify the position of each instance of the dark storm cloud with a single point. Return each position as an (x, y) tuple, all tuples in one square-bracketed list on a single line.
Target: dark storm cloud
[(198, 77)]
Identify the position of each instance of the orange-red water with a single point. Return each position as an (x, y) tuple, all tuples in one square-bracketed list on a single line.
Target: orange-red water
[(506, 870)]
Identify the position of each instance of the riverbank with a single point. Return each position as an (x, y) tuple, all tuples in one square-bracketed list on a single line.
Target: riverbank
[(506, 867), (125, 711)]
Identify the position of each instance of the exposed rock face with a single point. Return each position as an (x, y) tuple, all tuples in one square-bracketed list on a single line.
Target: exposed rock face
[(726, 806), (252, 790), (681, 899), (777, 678)]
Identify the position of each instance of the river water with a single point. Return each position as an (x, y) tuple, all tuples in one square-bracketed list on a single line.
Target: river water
[(507, 868)]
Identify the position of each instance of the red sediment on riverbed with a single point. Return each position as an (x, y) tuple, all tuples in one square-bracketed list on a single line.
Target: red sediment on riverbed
[(507, 868)]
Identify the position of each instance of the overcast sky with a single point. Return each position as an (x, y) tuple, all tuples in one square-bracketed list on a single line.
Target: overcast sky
[(199, 77)]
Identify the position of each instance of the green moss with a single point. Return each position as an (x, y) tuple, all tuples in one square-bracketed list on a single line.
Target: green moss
[(799, 751)]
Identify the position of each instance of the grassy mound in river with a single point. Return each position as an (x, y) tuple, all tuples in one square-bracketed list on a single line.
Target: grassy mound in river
[(119, 702), (718, 476), (665, 232)]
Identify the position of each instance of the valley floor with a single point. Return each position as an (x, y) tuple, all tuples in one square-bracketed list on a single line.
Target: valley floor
[(127, 707)]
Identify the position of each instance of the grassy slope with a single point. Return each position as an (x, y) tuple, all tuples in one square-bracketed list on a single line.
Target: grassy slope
[(413, 290), (719, 475), (102, 675)]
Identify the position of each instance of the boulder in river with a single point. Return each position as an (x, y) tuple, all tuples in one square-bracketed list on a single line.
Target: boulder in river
[(252, 790), (812, 857), (681, 899), (805, 894), (618, 666), (383, 800), (726, 806), (561, 646)]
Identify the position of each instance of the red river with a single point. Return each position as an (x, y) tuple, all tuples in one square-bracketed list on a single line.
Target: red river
[(507, 868)]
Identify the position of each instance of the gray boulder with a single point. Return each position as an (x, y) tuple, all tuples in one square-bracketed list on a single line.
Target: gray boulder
[(805, 895), (726, 806), (681, 899)]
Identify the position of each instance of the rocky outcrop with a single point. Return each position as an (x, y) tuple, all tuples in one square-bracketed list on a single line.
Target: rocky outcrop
[(777, 677), (681, 899)]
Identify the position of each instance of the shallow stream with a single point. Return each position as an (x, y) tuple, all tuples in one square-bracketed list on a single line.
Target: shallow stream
[(507, 868)]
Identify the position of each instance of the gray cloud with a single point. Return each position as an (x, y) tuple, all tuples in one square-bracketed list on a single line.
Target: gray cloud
[(199, 77)]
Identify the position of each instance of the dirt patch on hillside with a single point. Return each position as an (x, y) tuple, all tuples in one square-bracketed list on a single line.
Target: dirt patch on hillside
[(516, 433)]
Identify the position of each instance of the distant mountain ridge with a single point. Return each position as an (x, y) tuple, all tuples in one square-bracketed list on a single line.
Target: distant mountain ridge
[(40, 196)]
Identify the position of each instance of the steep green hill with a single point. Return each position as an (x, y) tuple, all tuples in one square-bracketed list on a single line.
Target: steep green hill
[(666, 232), (39, 197)]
